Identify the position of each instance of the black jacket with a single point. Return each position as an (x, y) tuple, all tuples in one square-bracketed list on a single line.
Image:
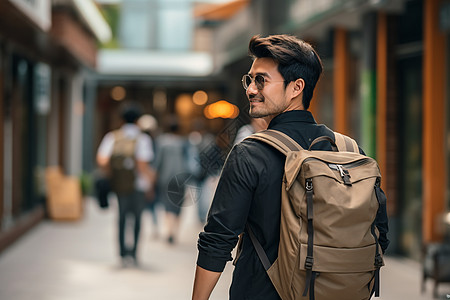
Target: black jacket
[(249, 191)]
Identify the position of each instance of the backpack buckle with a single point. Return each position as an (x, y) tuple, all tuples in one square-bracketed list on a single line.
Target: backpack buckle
[(309, 185), (378, 261), (309, 262)]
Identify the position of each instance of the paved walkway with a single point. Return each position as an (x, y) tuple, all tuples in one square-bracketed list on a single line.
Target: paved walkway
[(77, 260)]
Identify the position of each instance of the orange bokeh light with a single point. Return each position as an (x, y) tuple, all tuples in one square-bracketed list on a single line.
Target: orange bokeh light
[(200, 97), (221, 109)]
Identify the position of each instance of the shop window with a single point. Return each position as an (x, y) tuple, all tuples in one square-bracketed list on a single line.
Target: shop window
[(410, 158)]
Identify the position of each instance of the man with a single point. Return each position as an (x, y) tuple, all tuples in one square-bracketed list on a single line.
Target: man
[(171, 164), (279, 87), (131, 200)]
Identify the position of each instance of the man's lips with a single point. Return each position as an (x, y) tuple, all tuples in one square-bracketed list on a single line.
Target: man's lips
[(255, 100)]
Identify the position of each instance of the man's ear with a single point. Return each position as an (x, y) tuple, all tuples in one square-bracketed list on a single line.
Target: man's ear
[(299, 85)]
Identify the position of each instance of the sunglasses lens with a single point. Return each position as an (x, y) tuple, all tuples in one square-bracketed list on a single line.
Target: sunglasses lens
[(259, 81), (247, 81)]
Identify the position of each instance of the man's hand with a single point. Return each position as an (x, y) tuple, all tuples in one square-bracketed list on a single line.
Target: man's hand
[(147, 171), (204, 283), (103, 164)]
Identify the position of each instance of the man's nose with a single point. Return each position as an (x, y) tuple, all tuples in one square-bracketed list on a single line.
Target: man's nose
[(252, 90)]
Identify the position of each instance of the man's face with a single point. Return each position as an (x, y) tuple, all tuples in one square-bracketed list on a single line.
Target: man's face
[(274, 98)]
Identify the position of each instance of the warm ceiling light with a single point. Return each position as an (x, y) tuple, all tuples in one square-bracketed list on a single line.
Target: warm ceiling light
[(118, 93), (200, 97)]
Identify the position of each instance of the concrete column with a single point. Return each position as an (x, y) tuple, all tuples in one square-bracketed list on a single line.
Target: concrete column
[(89, 150), (53, 128), (74, 137)]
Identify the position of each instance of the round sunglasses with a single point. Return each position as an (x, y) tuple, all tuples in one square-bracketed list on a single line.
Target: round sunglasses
[(259, 79)]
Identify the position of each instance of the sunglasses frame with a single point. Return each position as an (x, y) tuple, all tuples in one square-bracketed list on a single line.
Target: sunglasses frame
[(259, 85)]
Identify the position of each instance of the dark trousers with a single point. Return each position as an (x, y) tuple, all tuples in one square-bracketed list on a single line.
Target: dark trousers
[(130, 205)]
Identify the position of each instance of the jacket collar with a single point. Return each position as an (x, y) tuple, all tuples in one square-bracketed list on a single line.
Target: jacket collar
[(293, 116)]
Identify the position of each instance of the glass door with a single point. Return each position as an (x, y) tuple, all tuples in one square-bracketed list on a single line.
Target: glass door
[(410, 154)]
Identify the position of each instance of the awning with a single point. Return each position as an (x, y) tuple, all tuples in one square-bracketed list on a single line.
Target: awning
[(93, 19), (154, 63), (219, 12)]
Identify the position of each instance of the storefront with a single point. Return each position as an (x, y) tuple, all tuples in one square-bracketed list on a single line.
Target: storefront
[(41, 96), (409, 72), (24, 91), (384, 84)]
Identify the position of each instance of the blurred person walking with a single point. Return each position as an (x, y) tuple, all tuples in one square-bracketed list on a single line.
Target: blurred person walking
[(171, 164), (279, 87), (149, 125), (124, 154), (208, 161), (256, 124), (212, 156)]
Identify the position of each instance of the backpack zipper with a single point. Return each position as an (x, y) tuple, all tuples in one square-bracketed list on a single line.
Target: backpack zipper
[(349, 165), (343, 168)]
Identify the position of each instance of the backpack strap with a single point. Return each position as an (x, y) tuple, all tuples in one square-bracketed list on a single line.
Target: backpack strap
[(309, 262), (120, 135), (381, 198), (282, 142), (345, 143), (259, 249), (286, 144)]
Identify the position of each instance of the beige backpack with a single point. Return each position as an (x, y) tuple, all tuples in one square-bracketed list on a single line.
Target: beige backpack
[(328, 241), (122, 163)]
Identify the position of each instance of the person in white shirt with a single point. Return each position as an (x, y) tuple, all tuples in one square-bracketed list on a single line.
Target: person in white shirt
[(256, 124), (132, 201)]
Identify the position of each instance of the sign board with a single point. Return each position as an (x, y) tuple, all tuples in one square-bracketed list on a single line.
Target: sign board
[(38, 11)]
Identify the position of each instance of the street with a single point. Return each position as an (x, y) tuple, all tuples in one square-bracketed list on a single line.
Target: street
[(78, 260)]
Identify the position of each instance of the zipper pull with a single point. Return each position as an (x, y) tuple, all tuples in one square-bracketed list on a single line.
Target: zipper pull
[(344, 174)]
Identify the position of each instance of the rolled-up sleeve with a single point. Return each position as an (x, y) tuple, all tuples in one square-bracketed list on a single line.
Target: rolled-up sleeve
[(144, 148), (106, 146), (229, 210), (381, 220)]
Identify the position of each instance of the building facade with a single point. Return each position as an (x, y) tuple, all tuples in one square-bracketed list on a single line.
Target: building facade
[(45, 49)]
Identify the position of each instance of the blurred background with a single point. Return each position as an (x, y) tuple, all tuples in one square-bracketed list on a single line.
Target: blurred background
[(67, 65)]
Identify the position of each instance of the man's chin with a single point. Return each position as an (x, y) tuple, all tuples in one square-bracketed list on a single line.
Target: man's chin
[(256, 115)]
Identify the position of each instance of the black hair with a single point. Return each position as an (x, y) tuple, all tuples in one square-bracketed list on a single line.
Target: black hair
[(131, 112), (295, 57)]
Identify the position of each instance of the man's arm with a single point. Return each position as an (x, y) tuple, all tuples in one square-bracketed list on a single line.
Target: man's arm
[(102, 161), (226, 220), (204, 283), (145, 169), (381, 220), (104, 151)]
